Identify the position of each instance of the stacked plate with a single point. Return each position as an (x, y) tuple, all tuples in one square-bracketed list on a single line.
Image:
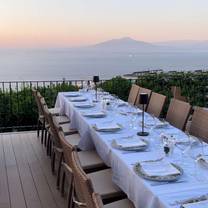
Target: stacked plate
[(94, 114), (107, 127), (72, 94), (78, 99), (162, 124), (158, 170), (199, 204), (129, 144), (203, 160), (84, 105)]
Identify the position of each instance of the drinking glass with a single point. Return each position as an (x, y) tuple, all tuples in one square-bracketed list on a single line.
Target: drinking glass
[(133, 121), (85, 86), (154, 122)]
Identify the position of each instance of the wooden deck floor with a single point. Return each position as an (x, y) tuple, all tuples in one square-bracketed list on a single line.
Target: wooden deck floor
[(26, 180)]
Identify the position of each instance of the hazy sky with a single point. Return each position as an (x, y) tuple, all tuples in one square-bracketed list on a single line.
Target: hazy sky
[(66, 23)]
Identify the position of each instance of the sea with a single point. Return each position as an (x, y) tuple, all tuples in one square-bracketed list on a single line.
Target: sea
[(56, 64)]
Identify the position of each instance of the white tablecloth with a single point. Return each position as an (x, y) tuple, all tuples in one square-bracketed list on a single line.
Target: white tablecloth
[(143, 193)]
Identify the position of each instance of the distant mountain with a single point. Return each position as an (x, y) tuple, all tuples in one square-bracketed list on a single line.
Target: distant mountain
[(129, 45), (194, 45), (125, 44)]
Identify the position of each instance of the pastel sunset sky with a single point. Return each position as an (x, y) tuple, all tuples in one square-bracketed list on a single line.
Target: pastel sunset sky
[(65, 23)]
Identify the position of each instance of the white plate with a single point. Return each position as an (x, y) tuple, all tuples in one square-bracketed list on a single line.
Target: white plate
[(198, 204), (77, 99), (84, 105), (100, 114), (130, 144), (107, 127), (139, 170), (162, 125), (72, 94)]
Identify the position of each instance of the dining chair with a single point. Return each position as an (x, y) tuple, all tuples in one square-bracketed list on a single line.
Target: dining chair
[(142, 90), (99, 182), (156, 104), (40, 120), (53, 111), (63, 121), (133, 94), (89, 160), (54, 148), (96, 202), (178, 112), (199, 124), (176, 92)]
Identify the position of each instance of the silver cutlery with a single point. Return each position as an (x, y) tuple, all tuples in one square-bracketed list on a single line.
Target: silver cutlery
[(167, 182), (190, 200), (156, 160), (134, 151)]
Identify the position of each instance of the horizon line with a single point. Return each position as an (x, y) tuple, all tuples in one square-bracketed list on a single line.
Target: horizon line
[(96, 43)]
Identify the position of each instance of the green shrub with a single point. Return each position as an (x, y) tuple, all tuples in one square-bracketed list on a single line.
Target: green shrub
[(194, 86), (118, 86), (19, 108)]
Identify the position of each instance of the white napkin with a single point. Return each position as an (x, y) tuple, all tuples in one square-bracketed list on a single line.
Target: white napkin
[(159, 168), (122, 103), (128, 143), (161, 124), (83, 105), (94, 113), (107, 126), (78, 99), (203, 159), (72, 94), (200, 204), (137, 111)]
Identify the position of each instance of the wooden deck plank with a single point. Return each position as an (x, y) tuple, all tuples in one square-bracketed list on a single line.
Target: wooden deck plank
[(30, 193), (4, 190), (44, 161), (26, 180), (42, 186), (15, 187)]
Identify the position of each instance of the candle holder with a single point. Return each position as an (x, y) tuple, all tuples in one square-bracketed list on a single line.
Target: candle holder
[(96, 79), (143, 100)]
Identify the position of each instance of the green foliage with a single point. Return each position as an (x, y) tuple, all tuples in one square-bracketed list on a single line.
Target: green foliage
[(118, 86), (18, 108), (194, 86)]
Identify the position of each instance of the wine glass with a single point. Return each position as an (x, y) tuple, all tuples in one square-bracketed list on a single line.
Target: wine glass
[(154, 123), (133, 121), (85, 86)]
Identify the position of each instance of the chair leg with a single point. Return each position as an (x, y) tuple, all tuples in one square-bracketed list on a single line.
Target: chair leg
[(59, 170), (71, 195), (48, 145), (38, 128), (63, 183), (42, 133), (69, 203), (45, 137), (53, 159)]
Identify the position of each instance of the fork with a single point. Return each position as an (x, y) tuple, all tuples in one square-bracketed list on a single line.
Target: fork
[(167, 182)]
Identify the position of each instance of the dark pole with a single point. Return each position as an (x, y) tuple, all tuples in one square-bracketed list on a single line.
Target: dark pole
[(143, 118), (143, 100), (96, 90)]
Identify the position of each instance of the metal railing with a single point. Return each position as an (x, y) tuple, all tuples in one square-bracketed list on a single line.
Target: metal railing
[(18, 110)]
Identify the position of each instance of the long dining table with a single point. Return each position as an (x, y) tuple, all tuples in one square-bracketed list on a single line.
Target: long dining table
[(143, 193)]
